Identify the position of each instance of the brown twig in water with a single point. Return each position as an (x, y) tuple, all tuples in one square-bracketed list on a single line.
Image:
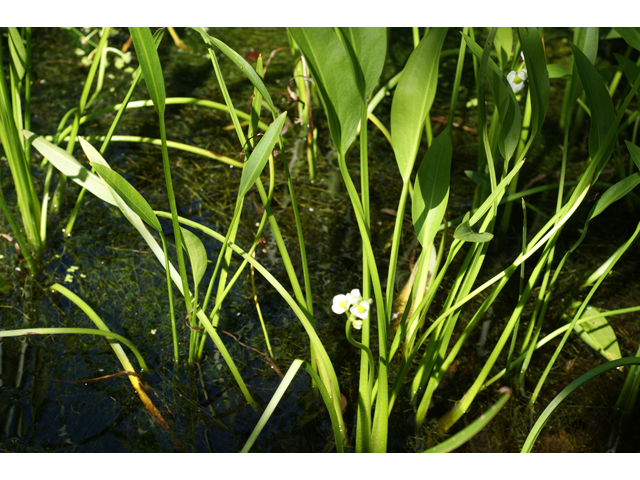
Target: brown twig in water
[(106, 377), (271, 362)]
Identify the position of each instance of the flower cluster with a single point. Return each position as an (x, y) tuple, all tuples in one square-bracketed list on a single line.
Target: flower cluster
[(353, 302), (517, 79)]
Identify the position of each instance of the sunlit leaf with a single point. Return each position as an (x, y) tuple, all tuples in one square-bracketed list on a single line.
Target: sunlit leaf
[(538, 76), (413, 98), (431, 191), (615, 193), (260, 155), (370, 47), (150, 64), (196, 252), (68, 165), (598, 334)]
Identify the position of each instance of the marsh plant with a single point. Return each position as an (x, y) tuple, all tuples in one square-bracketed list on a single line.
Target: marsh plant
[(403, 338)]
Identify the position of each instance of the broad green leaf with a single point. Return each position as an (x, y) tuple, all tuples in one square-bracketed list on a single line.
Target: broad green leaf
[(197, 254), (69, 166), (503, 43), (370, 47), (150, 64), (242, 64), (615, 192), (413, 98), (330, 66), (466, 233), (602, 112), (510, 116), (538, 76), (431, 193), (598, 334), (260, 155), (631, 35), (634, 151), (130, 195), (557, 71)]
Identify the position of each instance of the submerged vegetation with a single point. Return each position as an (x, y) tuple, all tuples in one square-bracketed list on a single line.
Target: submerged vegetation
[(361, 239)]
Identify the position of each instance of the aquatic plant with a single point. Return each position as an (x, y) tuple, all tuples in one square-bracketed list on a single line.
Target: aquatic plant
[(346, 65)]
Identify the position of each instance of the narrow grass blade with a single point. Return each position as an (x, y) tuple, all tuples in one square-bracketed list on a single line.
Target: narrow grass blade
[(242, 64), (535, 431), (538, 76), (466, 434)]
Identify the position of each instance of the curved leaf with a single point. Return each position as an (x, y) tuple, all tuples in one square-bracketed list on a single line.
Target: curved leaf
[(330, 66), (370, 47), (466, 233), (68, 165), (603, 114), (634, 151), (538, 76), (432, 189), (615, 192), (242, 64), (413, 98), (598, 334), (130, 195), (586, 39), (197, 254), (150, 64), (260, 155), (631, 35)]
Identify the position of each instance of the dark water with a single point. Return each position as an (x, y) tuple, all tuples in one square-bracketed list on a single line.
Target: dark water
[(122, 281)]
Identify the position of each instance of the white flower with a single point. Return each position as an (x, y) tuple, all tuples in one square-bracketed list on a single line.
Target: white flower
[(354, 297), (357, 324), (517, 79), (340, 304), (361, 310)]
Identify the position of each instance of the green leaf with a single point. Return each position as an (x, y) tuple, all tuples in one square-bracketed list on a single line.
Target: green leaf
[(634, 151), (150, 64), (557, 71), (18, 52), (538, 76), (242, 64), (602, 112), (130, 195), (466, 233), (586, 39), (68, 165), (431, 193), (631, 35), (615, 192), (631, 70), (370, 47), (260, 155), (413, 98), (503, 43), (598, 334), (330, 66), (510, 116), (197, 254)]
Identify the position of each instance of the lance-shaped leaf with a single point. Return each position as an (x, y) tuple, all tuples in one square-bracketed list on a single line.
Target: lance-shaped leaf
[(586, 39), (538, 76), (150, 64), (615, 192), (68, 165), (431, 193), (330, 66), (241, 63), (260, 155), (130, 195), (197, 254), (466, 232), (510, 116), (503, 43), (413, 98), (631, 35), (370, 48), (603, 114), (634, 151), (598, 334)]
